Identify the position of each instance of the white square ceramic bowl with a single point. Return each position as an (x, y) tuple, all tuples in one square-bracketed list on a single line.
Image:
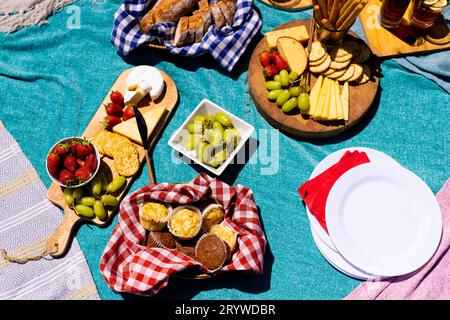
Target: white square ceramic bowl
[(206, 107)]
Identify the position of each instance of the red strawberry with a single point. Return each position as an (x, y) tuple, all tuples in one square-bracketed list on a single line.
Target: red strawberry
[(70, 163), (73, 146), (83, 173), (80, 162), (91, 162), (270, 71), (110, 121), (53, 161), (116, 97), (264, 57), (62, 149), (66, 177), (279, 62), (84, 149), (128, 113), (113, 109)]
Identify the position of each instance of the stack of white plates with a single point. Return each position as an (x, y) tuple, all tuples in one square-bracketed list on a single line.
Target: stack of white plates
[(382, 219)]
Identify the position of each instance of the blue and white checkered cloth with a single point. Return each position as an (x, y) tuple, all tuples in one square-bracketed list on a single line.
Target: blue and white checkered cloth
[(226, 44)]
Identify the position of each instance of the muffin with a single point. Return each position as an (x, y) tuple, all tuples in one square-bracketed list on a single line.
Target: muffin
[(211, 251), (161, 239), (226, 234), (212, 215), (185, 222), (187, 247), (153, 215)]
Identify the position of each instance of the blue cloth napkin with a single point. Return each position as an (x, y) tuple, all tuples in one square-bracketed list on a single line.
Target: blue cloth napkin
[(226, 45)]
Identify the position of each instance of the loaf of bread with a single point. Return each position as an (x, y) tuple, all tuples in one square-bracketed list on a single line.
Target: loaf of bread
[(166, 11), (191, 26)]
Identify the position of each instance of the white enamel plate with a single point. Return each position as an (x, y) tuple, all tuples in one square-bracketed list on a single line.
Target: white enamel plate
[(383, 219), (375, 156)]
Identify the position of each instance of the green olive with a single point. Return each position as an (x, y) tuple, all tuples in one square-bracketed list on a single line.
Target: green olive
[(217, 126), (221, 156), (223, 119), (295, 91), (204, 151), (96, 186), (84, 211), (104, 181), (215, 138), (277, 78), (193, 141), (99, 210), (77, 193), (116, 184), (68, 197), (87, 201), (109, 200)]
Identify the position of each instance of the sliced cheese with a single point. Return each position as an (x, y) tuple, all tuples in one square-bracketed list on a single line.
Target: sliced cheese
[(130, 129), (332, 113), (321, 103), (340, 110), (326, 109), (314, 95), (345, 100), (298, 33)]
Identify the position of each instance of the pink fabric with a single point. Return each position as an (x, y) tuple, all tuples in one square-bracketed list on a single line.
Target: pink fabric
[(431, 282)]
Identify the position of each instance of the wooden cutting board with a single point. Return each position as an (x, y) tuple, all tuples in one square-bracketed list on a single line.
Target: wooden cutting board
[(289, 5), (361, 98), (60, 239), (406, 40)]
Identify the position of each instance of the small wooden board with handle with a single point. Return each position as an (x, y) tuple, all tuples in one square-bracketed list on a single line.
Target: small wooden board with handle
[(60, 239), (405, 40)]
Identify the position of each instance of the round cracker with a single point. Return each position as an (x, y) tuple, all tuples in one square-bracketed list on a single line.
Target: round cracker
[(336, 74), (328, 72), (339, 54), (317, 51), (365, 76), (320, 61), (339, 65), (347, 74), (364, 53), (126, 160), (321, 67), (358, 70)]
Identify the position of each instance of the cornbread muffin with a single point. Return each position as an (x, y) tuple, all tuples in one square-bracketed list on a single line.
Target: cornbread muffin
[(211, 251), (185, 222), (212, 215), (226, 234), (161, 239), (153, 215)]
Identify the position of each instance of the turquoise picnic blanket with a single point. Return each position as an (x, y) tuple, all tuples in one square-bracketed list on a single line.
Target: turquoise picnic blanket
[(53, 78)]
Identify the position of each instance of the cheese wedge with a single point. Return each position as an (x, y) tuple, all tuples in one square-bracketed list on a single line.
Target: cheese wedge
[(345, 100), (130, 129), (340, 110), (314, 95), (294, 53), (298, 33), (142, 89)]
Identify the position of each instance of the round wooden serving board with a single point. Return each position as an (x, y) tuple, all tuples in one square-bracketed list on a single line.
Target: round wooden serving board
[(296, 124), (59, 240)]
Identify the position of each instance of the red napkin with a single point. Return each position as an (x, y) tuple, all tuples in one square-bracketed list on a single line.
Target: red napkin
[(315, 191)]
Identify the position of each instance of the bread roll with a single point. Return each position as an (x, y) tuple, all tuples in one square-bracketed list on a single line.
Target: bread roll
[(219, 19)]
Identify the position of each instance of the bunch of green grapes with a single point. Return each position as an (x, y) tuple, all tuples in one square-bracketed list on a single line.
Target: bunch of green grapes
[(213, 137), (90, 202), (286, 91)]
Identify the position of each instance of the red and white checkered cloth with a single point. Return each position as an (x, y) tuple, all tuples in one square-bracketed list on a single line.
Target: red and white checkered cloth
[(129, 266)]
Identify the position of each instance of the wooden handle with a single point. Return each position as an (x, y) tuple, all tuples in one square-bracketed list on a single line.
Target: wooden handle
[(59, 240), (151, 173)]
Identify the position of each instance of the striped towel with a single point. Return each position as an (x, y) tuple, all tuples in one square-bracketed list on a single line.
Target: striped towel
[(26, 219)]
